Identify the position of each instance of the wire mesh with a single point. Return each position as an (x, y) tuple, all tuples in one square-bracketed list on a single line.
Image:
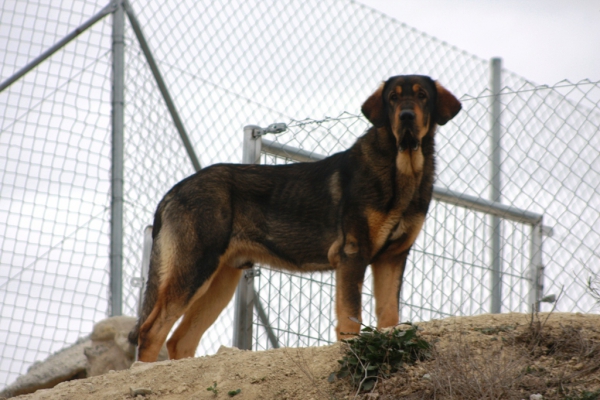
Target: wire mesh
[(54, 195), (448, 272), (231, 63)]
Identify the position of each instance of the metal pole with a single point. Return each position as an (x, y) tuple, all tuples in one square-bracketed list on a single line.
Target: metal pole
[(244, 295), (496, 282), (262, 315), (162, 87), (146, 253), (536, 267), (116, 207), (59, 45)]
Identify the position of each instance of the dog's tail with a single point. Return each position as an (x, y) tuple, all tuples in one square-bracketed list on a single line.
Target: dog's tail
[(151, 292), (149, 301)]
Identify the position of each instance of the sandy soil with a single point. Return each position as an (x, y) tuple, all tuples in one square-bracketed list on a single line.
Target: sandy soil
[(565, 360)]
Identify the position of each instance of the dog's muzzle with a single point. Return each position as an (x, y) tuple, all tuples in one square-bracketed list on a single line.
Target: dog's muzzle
[(408, 128)]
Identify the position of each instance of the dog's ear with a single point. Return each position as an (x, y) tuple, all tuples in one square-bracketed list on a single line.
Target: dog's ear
[(373, 108), (446, 107)]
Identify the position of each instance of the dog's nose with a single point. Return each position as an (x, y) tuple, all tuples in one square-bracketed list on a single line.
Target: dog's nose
[(407, 115)]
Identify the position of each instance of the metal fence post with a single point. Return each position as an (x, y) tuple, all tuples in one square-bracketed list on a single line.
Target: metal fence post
[(145, 268), (116, 207), (244, 296), (496, 281), (536, 267)]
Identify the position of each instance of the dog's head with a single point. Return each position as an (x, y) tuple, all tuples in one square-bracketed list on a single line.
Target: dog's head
[(408, 106)]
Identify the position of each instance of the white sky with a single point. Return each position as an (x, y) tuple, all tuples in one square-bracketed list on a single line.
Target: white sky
[(544, 41)]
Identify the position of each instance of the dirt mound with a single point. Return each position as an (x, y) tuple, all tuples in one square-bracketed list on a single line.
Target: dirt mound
[(487, 356)]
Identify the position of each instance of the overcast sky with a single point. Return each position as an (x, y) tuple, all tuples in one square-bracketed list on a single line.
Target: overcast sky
[(544, 41)]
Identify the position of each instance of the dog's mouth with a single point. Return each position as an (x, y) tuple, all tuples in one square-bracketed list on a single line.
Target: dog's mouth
[(408, 141)]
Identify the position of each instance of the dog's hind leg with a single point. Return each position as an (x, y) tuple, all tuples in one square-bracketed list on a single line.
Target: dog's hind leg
[(174, 299), (203, 312), (156, 327), (181, 269)]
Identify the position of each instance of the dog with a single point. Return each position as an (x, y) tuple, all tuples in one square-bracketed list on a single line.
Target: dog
[(363, 206)]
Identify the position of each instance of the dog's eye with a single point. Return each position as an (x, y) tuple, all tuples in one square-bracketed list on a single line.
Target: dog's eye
[(393, 97), (421, 95)]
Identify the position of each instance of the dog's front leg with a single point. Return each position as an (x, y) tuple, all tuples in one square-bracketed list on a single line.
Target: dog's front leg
[(349, 281), (388, 270)]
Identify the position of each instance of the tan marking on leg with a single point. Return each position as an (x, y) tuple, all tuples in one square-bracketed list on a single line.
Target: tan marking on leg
[(203, 312), (386, 283), (170, 305), (388, 269), (345, 328), (155, 329)]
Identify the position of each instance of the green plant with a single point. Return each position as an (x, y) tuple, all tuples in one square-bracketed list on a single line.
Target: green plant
[(213, 388), (377, 353), (232, 393)]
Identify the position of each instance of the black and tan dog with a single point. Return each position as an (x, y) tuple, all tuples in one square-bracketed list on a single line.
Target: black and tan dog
[(365, 205)]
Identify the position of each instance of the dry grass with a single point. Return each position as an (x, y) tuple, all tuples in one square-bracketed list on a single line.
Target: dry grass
[(462, 372), (561, 362)]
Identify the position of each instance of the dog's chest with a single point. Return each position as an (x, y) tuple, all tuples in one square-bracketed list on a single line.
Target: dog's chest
[(410, 162), (381, 226), (400, 223), (403, 228)]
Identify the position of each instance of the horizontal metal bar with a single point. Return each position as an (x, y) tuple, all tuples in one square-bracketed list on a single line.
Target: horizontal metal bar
[(440, 194), (486, 206), (53, 49), (283, 150)]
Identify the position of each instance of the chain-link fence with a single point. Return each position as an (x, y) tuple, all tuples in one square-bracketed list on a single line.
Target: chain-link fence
[(450, 267), (449, 270), (227, 64)]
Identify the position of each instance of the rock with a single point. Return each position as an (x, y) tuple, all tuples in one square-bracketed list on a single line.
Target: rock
[(110, 349), (64, 365), (133, 392), (228, 350), (106, 349)]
